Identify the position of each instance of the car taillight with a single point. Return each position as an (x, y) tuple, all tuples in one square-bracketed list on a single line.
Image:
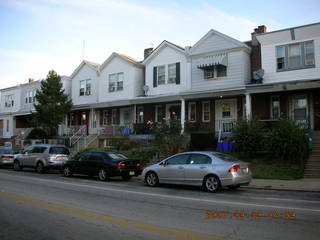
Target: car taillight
[(9, 156), (121, 165), (234, 168), (138, 165)]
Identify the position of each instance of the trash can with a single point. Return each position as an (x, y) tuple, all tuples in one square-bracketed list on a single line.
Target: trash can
[(309, 141)]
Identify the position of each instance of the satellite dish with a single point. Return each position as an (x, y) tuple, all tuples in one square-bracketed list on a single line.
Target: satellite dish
[(258, 75), (145, 89)]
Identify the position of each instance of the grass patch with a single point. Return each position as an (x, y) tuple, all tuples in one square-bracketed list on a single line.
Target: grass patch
[(270, 169)]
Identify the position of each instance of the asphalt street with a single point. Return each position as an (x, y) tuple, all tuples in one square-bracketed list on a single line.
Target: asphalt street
[(50, 206)]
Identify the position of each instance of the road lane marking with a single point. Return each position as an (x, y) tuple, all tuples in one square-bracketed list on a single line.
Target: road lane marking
[(223, 202), (109, 219)]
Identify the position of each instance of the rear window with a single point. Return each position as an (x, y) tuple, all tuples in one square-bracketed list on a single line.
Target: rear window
[(225, 157), (59, 150), (117, 156)]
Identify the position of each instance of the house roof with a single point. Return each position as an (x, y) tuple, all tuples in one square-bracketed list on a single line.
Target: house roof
[(122, 56), (92, 65), (161, 46), (286, 29), (211, 32)]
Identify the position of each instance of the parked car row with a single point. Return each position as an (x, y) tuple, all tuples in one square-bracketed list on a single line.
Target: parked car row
[(210, 170)]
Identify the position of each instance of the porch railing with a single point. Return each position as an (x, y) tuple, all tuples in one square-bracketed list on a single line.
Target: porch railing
[(225, 125), (81, 132)]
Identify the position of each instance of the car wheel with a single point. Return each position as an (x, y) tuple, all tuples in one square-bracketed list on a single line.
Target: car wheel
[(67, 172), (234, 186), (126, 177), (212, 183), (16, 166), (39, 167), (102, 175), (152, 179)]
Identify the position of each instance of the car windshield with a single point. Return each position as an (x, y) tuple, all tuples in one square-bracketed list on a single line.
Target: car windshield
[(225, 157), (59, 150), (117, 156)]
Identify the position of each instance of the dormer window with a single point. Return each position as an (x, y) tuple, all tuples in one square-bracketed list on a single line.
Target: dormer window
[(166, 74), (214, 66), (116, 82), (172, 73), (295, 56), (161, 78), (85, 87)]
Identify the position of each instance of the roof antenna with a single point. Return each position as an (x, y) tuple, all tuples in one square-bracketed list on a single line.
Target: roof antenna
[(83, 46)]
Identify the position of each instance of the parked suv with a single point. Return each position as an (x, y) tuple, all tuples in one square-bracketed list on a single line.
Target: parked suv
[(42, 157), (103, 164)]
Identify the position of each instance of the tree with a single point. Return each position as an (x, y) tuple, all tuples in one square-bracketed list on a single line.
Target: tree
[(52, 104)]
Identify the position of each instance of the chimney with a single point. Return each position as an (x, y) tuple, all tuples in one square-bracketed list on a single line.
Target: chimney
[(147, 52), (260, 29), (30, 80)]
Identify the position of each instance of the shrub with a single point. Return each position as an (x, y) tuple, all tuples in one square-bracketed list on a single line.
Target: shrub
[(202, 141), (37, 133), (144, 155), (249, 135), (191, 127), (287, 141)]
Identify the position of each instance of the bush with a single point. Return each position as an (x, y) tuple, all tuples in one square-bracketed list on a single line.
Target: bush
[(287, 141), (248, 135), (190, 127), (202, 141), (144, 155), (37, 133)]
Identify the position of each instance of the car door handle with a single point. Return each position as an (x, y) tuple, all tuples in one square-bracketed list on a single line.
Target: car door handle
[(202, 167), (180, 167)]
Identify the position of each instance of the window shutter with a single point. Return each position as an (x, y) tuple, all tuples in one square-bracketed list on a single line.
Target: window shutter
[(178, 73), (154, 76)]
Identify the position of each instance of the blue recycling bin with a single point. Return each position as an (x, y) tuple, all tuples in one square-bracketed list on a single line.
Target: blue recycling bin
[(220, 146)]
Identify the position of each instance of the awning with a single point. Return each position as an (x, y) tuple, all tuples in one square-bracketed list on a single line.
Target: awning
[(219, 59)]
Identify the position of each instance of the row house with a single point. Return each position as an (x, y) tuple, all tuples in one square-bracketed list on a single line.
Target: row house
[(290, 86), (17, 105), (207, 86)]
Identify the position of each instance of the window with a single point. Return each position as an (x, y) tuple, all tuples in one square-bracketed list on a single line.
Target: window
[(114, 116), (206, 111), (8, 125), (215, 71), (140, 115), (226, 110), (59, 150), (116, 82), (177, 160), (200, 159), (8, 101), (161, 78), (295, 56), (275, 107), (192, 111), (172, 73), (85, 87), (30, 96), (159, 113)]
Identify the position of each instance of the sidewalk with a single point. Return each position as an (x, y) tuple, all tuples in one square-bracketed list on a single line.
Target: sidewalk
[(303, 185)]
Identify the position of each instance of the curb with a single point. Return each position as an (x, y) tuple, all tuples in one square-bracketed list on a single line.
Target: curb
[(281, 189)]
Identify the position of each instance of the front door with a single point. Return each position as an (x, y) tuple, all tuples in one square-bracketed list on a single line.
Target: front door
[(226, 114), (299, 110)]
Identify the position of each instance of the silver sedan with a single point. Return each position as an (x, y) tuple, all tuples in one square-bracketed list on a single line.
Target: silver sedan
[(211, 170)]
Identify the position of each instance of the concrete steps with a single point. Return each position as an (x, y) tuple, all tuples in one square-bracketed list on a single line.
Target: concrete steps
[(312, 169)]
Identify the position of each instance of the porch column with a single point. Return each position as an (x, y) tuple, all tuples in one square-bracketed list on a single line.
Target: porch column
[(134, 113), (248, 106), (183, 114)]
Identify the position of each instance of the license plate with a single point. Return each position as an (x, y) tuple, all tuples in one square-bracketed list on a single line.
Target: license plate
[(131, 173)]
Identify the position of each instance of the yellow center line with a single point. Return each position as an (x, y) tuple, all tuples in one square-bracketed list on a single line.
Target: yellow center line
[(109, 219)]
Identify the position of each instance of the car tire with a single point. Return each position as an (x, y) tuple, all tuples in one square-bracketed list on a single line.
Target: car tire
[(67, 172), (103, 175), (17, 166), (234, 187), (40, 167), (126, 177), (211, 183), (152, 179)]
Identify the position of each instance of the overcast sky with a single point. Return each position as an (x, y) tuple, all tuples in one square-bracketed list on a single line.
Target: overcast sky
[(39, 35)]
